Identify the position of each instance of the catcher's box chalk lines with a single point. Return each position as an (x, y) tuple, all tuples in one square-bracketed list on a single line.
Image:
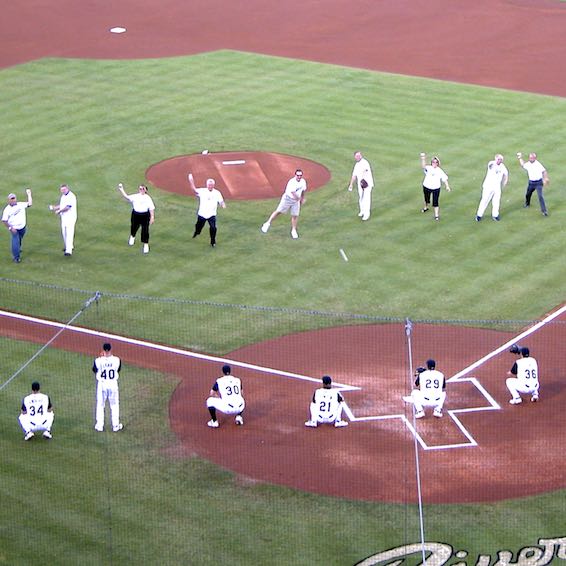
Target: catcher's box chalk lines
[(263, 369)]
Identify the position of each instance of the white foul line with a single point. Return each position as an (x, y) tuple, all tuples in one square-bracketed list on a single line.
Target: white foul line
[(234, 162), (509, 343), (172, 350)]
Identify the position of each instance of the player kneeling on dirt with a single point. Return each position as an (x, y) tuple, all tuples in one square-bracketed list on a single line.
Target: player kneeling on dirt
[(523, 376), (226, 396), (326, 405), (430, 386)]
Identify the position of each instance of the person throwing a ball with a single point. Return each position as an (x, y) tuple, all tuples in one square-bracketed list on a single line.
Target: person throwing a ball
[(292, 199)]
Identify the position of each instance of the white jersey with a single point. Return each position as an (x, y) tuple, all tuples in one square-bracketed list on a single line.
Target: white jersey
[(431, 384), (36, 405), (69, 200), (495, 175), (208, 202), (527, 372), (229, 388), (107, 369), (327, 402), (362, 170)]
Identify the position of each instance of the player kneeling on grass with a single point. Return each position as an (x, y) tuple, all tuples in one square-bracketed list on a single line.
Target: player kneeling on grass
[(37, 413), (326, 405), (430, 386), (226, 396), (523, 376)]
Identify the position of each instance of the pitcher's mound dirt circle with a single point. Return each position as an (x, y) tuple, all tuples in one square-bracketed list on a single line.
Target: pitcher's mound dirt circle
[(243, 175)]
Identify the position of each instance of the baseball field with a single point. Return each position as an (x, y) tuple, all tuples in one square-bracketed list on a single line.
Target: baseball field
[(262, 87)]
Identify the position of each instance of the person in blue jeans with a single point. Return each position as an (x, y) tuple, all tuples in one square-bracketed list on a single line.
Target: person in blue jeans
[(14, 218)]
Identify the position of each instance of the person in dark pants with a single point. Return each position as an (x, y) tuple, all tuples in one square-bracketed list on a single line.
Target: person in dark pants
[(143, 214), (538, 179), (209, 199), (14, 218)]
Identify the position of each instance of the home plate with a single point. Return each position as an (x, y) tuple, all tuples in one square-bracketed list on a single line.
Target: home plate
[(117, 30), (234, 162)]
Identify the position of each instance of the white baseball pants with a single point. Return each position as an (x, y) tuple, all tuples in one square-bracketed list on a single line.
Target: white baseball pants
[(487, 195), (107, 392), (421, 399), (37, 422)]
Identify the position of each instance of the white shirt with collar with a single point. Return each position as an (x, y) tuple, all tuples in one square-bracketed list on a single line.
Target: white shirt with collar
[(535, 169), (69, 200), (362, 170), (209, 201)]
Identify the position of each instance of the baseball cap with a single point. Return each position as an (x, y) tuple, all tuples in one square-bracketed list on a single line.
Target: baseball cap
[(430, 364), (525, 352), (226, 369), (326, 379), (35, 386), (11, 195), (107, 347)]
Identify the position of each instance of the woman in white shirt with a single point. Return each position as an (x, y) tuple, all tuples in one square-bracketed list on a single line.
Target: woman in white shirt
[(143, 214), (434, 177)]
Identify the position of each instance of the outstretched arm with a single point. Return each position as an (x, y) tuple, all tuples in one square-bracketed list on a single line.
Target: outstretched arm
[(192, 182), (423, 159), (123, 192), (30, 199)]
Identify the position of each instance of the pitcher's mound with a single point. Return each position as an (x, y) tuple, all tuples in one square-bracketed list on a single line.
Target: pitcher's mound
[(241, 175)]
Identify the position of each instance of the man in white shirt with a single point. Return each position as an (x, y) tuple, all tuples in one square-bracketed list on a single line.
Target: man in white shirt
[(209, 200), (538, 179), (106, 368), (292, 199), (364, 177), (495, 179), (143, 215), (36, 413), (326, 406), (523, 377), (429, 391), (14, 218), (226, 396), (67, 211)]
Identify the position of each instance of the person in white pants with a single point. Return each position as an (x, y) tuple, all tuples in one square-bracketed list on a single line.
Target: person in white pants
[(430, 390), (496, 178), (364, 177), (107, 370), (326, 406), (67, 210), (36, 413), (226, 396), (523, 377)]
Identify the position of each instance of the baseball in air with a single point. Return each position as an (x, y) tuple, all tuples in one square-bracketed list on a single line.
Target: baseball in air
[(423, 153)]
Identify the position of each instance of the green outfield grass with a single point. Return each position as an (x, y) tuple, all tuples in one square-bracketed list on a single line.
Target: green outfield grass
[(126, 499)]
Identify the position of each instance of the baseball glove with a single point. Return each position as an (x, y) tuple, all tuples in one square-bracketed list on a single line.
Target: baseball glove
[(364, 184), (515, 349), (419, 370)]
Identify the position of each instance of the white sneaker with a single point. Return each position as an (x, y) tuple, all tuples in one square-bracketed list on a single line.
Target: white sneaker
[(131, 241), (99, 428), (312, 424), (212, 424), (47, 434), (419, 414), (534, 398), (117, 428), (29, 435), (339, 424), (437, 413), (294, 234), (146, 248), (360, 214), (239, 420), (365, 217), (515, 401), (265, 227)]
